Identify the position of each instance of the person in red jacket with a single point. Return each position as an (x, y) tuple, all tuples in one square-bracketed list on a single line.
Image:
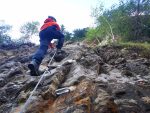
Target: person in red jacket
[(49, 30)]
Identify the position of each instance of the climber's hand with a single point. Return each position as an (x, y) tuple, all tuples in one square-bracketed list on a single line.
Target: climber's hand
[(51, 46)]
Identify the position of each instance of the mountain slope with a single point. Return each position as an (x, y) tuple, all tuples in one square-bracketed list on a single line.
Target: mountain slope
[(108, 79)]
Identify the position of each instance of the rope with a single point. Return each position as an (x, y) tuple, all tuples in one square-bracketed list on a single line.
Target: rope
[(28, 100)]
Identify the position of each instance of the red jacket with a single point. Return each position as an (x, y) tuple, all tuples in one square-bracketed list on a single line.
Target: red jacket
[(49, 22)]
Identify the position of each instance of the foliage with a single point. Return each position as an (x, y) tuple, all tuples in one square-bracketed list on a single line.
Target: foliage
[(103, 28), (135, 19), (62, 27), (68, 36), (133, 44), (130, 21), (29, 29), (142, 48), (4, 28), (92, 34), (79, 34)]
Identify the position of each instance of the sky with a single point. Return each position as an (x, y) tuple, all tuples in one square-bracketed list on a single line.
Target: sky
[(73, 14)]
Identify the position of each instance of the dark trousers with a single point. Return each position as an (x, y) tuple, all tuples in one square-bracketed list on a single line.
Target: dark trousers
[(46, 36)]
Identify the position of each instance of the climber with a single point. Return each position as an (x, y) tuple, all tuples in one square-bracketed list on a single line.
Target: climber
[(49, 30)]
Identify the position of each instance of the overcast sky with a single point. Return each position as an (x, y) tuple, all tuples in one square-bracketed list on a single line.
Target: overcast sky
[(72, 14)]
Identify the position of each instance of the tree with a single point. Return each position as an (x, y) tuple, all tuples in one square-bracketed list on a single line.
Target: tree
[(68, 35), (130, 20), (79, 34), (62, 27), (29, 29), (4, 28)]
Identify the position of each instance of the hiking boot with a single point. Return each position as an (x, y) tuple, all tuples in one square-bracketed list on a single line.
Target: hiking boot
[(34, 68)]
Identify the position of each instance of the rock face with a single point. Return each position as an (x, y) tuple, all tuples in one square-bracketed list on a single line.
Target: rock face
[(108, 79)]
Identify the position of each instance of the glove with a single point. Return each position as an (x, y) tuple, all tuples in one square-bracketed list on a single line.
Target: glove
[(51, 46)]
